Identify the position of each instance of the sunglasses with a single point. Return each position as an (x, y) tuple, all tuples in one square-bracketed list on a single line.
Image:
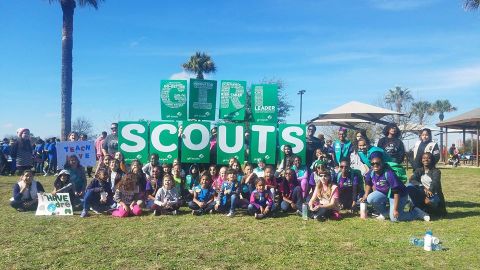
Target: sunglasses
[(376, 163)]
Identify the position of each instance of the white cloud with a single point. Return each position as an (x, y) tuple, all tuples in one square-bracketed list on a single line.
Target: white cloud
[(463, 77), (399, 5), (183, 75), (136, 42)]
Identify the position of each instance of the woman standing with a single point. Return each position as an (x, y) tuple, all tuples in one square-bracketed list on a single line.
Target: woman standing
[(22, 151), (392, 144), (424, 145)]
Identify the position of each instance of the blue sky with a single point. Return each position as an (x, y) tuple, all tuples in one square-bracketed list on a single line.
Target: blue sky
[(337, 50)]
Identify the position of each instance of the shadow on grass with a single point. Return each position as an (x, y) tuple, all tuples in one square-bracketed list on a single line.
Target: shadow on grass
[(459, 215), (462, 204)]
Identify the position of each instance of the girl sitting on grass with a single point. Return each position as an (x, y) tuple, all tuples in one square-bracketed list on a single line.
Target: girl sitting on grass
[(270, 180), (324, 202), (425, 187), (261, 200), (167, 200), (191, 181), (178, 179), (152, 186), (387, 188), (25, 196), (77, 177), (105, 164), (229, 194), (291, 192), (125, 198), (99, 195), (203, 197), (247, 184)]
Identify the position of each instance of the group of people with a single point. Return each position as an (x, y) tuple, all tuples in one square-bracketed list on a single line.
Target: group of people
[(335, 176)]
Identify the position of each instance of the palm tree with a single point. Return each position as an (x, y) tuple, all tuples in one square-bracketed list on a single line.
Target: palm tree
[(68, 7), (200, 63), (398, 97), (421, 109), (441, 107), (471, 5)]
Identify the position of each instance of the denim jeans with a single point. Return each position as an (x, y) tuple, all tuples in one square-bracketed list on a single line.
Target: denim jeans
[(229, 203), (252, 209), (93, 198), (417, 196), (379, 201), (192, 205), (297, 198), (402, 215)]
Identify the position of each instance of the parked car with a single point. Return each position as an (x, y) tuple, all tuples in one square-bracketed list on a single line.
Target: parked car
[(467, 156)]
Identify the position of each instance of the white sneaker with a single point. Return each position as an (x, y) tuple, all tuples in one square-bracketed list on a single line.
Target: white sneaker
[(258, 216), (420, 213), (380, 217), (230, 214)]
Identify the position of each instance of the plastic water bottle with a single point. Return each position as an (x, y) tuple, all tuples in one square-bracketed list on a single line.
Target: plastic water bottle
[(305, 211), (363, 210), (416, 241), (437, 247), (427, 241)]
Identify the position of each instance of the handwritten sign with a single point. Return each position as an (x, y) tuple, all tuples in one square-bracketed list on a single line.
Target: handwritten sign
[(54, 205), (84, 150)]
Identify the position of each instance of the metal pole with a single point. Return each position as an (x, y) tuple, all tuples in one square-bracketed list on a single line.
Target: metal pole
[(301, 92)]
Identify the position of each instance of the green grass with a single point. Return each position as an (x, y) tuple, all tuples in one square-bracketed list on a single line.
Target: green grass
[(215, 241)]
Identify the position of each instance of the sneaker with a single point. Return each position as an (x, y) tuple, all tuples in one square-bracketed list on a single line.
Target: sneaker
[(380, 217), (299, 213), (426, 218), (84, 214), (46, 174), (231, 214), (211, 211), (196, 212), (258, 216), (94, 210), (421, 214)]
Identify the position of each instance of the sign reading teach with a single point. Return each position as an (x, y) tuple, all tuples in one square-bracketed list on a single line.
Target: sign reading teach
[(84, 150)]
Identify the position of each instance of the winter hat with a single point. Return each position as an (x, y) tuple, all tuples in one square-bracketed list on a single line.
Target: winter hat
[(21, 130), (63, 172)]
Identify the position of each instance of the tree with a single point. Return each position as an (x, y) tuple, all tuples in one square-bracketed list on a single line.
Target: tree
[(398, 97), (441, 107), (82, 125), (421, 109), (471, 5), (200, 63), (284, 105), (68, 7)]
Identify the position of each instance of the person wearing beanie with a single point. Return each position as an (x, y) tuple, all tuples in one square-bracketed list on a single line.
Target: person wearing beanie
[(22, 151)]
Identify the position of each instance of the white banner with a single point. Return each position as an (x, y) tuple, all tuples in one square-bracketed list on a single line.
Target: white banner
[(84, 150), (54, 205)]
